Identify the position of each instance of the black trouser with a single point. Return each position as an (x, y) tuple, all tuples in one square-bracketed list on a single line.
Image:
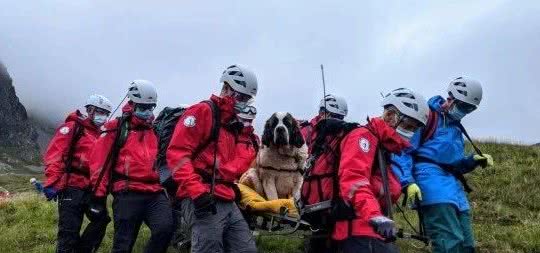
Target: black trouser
[(131, 209), (359, 244), (319, 242), (72, 205)]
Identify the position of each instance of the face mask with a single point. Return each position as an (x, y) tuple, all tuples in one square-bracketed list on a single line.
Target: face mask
[(99, 120), (455, 113), (145, 115), (406, 134)]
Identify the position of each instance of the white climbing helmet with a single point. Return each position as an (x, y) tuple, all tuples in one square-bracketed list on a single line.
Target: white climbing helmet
[(334, 104), (409, 103), (142, 92), (241, 79), (248, 113), (466, 90), (99, 101)]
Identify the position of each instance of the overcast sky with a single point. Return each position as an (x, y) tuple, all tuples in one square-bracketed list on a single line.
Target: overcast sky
[(59, 52)]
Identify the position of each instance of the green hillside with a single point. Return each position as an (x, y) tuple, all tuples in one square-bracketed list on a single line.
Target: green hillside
[(506, 212)]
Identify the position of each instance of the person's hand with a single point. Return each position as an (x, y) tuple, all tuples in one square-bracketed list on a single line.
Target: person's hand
[(97, 208), (204, 205), (413, 192), (484, 160), (383, 226), (50, 193)]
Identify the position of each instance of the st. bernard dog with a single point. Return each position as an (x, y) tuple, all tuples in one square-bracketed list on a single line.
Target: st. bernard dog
[(279, 165)]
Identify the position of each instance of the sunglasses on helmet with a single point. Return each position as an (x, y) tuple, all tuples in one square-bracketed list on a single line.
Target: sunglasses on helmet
[(145, 107), (250, 110)]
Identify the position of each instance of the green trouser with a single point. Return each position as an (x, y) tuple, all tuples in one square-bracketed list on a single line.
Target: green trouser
[(449, 229)]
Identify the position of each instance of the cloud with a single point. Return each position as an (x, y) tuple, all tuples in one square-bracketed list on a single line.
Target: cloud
[(59, 52)]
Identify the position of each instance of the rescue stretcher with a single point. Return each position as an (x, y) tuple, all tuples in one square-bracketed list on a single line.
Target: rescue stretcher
[(281, 217)]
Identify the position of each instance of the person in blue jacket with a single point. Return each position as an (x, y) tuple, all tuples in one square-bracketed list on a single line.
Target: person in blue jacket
[(430, 172)]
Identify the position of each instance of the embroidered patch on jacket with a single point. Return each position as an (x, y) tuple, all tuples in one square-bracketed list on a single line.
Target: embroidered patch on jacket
[(190, 121), (64, 130), (364, 145)]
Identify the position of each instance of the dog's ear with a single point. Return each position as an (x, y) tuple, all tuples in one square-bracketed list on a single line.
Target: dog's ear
[(296, 135), (268, 134)]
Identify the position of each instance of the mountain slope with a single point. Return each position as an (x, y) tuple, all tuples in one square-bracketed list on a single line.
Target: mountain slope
[(17, 134), (506, 211)]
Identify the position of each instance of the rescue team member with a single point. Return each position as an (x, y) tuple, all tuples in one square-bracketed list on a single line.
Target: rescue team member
[(248, 142), (246, 151), (331, 106), (444, 202), (218, 225), (138, 196), (68, 177), (360, 184)]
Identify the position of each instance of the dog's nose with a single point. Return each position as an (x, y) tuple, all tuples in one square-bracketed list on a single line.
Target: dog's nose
[(280, 129)]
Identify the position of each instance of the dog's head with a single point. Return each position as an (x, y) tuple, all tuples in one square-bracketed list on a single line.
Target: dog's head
[(281, 130)]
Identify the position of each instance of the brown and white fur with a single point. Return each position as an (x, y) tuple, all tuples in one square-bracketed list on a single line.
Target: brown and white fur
[(280, 162)]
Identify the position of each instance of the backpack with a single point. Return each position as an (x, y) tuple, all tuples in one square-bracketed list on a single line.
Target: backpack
[(325, 212), (164, 127)]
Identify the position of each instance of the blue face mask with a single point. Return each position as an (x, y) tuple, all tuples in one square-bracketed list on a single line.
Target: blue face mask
[(99, 119), (456, 114), (144, 114)]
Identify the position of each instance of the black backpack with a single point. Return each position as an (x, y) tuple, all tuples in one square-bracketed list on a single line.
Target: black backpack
[(164, 126), (325, 213)]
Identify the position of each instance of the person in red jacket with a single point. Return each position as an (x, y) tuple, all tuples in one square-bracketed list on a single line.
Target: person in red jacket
[(362, 225), (248, 142), (331, 106), (205, 173), (138, 195), (67, 177)]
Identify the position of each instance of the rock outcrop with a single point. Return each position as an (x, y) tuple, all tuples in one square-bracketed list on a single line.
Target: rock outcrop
[(18, 137)]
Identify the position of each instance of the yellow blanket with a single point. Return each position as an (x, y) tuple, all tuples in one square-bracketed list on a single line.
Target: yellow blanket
[(253, 201)]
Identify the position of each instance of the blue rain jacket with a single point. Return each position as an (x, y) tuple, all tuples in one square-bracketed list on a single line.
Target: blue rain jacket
[(446, 146)]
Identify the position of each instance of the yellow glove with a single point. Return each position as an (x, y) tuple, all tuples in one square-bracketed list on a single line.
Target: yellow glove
[(484, 160), (413, 191)]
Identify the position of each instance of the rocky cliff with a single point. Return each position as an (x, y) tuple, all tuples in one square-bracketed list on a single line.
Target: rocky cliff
[(18, 137)]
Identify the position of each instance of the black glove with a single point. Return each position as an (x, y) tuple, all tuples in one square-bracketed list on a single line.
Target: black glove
[(97, 208), (204, 205)]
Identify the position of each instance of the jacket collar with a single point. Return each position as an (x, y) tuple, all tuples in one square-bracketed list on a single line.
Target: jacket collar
[(387, 136)]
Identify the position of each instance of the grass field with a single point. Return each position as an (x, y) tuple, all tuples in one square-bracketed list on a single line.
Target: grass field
[(506, 210)]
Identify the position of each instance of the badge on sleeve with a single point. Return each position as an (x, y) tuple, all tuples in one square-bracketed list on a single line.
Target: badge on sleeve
[(364, 145), (64, 130), (190, 121)]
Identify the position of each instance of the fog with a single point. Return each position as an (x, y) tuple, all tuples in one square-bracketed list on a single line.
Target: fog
[(59, 52)]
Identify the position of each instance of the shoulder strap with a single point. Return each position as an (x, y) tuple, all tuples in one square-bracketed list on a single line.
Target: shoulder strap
[(431, 126), (462, 128), (122, 131), (216, 125), (77, 134)]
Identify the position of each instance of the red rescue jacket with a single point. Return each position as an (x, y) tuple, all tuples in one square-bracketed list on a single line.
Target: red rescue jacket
[(246, 151), (360, 178), (134, 170), (308, 131), (57, 152), (192, 130)]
